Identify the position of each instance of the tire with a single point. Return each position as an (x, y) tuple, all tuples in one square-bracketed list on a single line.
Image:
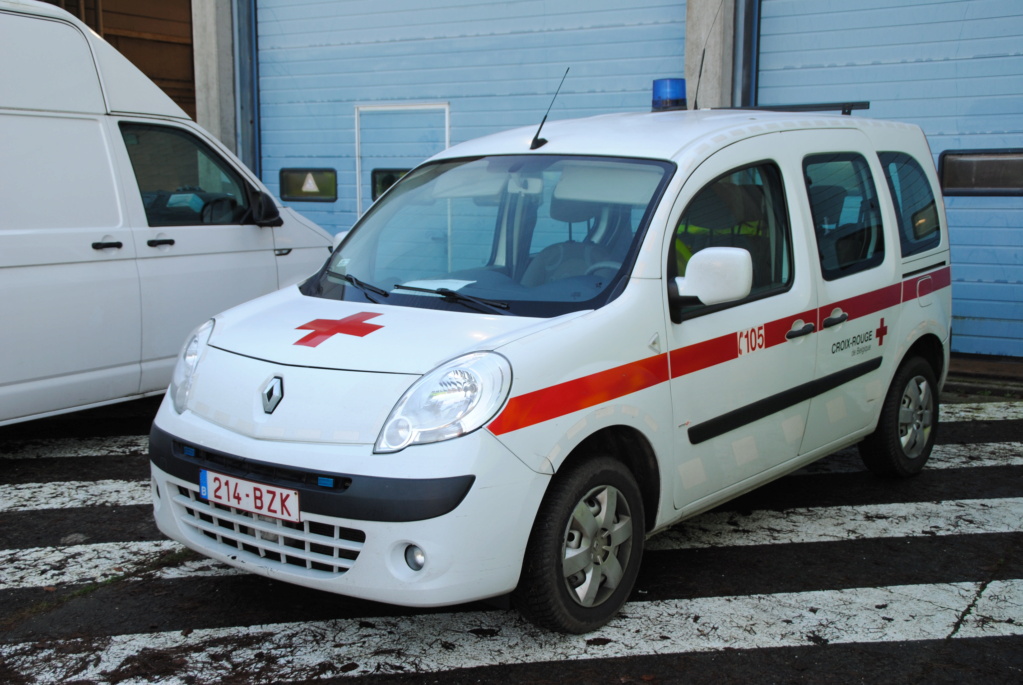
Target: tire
[(585, 548), (902, 442)]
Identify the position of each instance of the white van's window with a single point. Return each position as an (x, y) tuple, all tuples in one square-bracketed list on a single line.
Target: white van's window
[(915, 207), (846, 215), (535, 236), (744, 208), (182, 181)]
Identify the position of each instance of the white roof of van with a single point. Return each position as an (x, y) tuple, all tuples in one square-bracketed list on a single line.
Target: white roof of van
[(652, 135), (123, 87)]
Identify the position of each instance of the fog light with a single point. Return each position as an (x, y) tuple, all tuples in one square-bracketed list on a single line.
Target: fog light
[(415, 558)]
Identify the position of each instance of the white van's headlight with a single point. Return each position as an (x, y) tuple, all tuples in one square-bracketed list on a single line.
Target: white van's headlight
[(188, 360), (454, 399)]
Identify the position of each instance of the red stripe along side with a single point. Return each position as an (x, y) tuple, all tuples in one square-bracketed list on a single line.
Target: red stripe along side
[(565, 398)]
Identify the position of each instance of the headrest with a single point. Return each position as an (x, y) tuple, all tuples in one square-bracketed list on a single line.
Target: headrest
[(574, 211), (826, 203)]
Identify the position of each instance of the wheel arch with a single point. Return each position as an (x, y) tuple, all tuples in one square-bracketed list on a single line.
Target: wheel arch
[(631, 447), (932, 351)]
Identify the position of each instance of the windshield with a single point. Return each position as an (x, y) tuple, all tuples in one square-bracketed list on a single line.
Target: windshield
[(541, 235)]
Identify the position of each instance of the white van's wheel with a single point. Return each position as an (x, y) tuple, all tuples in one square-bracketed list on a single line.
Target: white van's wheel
[(905, 432), (584, 552)]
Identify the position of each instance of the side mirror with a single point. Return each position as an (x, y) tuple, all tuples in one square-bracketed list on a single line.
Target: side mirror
[(264, 210), (714, 275)]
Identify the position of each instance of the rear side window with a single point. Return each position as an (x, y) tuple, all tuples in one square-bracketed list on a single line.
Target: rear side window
[(743, 208), (915, 206), (846, 215), (183, 182)]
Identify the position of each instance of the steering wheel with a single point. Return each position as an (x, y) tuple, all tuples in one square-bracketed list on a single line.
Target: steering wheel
[(597, 266), (220, 210)]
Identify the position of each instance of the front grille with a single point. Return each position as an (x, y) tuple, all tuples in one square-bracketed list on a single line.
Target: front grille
[(320, 548)]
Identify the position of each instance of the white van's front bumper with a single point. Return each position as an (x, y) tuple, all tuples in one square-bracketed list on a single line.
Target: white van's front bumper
[(470, 513)]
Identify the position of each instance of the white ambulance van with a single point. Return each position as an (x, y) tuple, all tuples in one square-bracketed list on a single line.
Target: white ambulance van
[(124, 225), (530, 355)]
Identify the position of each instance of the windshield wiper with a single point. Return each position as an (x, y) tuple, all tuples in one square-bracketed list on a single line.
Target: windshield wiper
[(461, 298), (361, 285)]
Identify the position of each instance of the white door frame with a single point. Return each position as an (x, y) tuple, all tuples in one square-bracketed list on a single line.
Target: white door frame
[(422, 106)]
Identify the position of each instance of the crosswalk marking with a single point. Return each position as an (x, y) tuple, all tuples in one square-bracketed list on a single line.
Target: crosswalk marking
[(70, 494), (74, 564), (975, 455), (441, 642), (43, 448), (982, 411), (430, 643), (75, 447), (830, 524)]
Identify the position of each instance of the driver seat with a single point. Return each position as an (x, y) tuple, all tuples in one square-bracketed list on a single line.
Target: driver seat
[(569, 258)]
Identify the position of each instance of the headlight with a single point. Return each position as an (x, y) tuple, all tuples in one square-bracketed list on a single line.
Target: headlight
[(188, 360), (454, 399)]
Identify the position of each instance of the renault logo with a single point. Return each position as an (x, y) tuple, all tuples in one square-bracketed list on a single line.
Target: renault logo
[(272, 394)]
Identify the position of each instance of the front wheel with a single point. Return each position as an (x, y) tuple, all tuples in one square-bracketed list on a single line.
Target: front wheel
[(584, 552), (902, 442)]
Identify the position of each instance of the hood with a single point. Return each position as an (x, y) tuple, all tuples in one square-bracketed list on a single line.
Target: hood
[(287, 327)]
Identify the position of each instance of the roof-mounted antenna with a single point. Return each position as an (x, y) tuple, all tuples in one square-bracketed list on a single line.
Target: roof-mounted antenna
[(539, 142)]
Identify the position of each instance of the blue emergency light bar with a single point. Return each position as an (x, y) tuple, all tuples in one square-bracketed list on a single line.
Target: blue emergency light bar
[(669, 93)]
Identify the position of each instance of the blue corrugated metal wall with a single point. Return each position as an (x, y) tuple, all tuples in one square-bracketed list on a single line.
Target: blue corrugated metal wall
[(954, 67), (496, 64)]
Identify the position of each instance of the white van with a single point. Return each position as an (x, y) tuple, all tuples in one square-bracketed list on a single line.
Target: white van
[(124, 225), (531, 354)]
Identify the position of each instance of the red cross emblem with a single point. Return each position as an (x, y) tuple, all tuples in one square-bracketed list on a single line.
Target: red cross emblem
[(324, 329), (881, 332)]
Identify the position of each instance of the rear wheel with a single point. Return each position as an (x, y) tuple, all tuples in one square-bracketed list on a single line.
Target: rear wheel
[(584, 552), (902, 442)]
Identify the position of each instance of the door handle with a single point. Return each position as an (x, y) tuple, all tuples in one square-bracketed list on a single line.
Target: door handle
[(807, 329), (102, 246), (835, 320), (157, 242)]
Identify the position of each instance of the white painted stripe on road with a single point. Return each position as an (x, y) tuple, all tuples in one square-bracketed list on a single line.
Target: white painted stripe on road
[(443, 642), (982, 411), (196, 568), (43, 566), (942, 457), (65, 495), (75, 564), (71, 494), (32, 496), (139, 444), (831, 524), (75, 447)]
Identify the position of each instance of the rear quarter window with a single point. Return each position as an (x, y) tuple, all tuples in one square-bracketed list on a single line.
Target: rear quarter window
[(846, 214), (915, 205)]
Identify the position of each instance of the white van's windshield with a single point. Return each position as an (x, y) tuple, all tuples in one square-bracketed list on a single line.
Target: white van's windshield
[(537, 235)]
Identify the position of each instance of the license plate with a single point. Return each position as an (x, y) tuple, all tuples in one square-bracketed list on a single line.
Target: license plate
[(255, 498)]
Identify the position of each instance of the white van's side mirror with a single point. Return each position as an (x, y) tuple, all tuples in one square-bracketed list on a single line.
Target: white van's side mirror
[(264, 211), (714, 275)]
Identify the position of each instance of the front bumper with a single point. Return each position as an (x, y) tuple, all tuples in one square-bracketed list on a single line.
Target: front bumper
[(472, 524)]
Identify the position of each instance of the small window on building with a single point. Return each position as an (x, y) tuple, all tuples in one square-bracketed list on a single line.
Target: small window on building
[(846, 216), (308, 185), (981, 172), (384, 179)]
